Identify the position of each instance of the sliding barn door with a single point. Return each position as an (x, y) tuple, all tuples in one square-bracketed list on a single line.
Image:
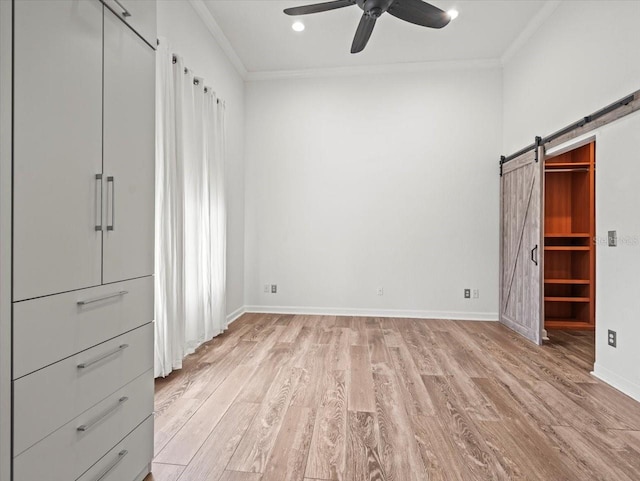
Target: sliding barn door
[(520, 218)]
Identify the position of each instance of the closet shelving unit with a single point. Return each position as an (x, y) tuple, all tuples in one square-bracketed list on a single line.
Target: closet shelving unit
[(569, 250)]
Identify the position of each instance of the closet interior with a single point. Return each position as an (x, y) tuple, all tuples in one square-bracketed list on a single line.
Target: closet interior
[(569, 247)]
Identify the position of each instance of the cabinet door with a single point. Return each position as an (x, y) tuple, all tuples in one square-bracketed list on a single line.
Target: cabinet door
[(129, 152), (57, 146), (140, 15)]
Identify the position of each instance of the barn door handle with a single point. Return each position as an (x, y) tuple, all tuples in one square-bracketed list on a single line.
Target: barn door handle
[(534, 255)]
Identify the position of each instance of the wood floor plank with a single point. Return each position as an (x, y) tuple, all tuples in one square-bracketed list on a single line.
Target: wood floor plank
[(360, 383), (338, 359), (479, 458), (240, 476), (172, 420), (186, 443), (255, 447), (209, 380), (581, 454), (265, 373), (377, 347), (165, 472), (288, 459), (363, 461), (328, 448), (416, 398), (523, 451), (400, 455), (308, 391), (422, 357), (223, 440)]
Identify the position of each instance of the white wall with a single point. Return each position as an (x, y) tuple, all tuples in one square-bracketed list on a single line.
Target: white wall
[(355, 183), (188, 36), (618, 268), (584, 57)]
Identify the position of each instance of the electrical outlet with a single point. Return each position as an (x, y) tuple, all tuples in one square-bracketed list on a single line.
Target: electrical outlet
[(267, 288), (476, 293), (613, 338), (613, 238), (467, 293), (380, 291), (274, 288)]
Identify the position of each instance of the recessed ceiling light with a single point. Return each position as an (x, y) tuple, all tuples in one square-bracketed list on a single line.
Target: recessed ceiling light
[(453, 14), (298, 26)]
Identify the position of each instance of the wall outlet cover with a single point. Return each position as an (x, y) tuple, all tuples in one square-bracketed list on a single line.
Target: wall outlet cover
[(612, 339), (613, 238), (274, 288), (467, 293)]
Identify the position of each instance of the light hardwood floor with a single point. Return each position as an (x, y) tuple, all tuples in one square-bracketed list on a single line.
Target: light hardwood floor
[(348, 398)]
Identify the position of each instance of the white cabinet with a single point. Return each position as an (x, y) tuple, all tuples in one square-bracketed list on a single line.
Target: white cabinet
[(129, 152), (140, 15), (83, 240), (57, 146)]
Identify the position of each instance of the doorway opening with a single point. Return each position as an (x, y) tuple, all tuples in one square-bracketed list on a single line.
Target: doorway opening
[(570, 247)]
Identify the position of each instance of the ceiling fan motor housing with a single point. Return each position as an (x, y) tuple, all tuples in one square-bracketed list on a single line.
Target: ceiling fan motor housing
[(374, 8)]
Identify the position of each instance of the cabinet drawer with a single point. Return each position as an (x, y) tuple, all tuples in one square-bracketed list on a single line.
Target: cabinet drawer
[(140, 15), (53, 396), (51, 328), (75, 447), (129, 460)]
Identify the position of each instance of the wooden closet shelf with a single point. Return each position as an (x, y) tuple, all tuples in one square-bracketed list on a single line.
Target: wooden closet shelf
[(566, 165), (566, 299), (567, 248), (568, 281), (568, 234), (567, 323)]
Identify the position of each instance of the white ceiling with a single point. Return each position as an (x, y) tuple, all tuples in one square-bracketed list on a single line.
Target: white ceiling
[(261, 34)]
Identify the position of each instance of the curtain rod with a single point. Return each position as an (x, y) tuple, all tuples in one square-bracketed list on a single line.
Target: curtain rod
[(196, 80)]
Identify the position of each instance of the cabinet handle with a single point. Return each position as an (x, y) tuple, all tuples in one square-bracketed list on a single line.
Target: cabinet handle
[(534, 255), (86, 427), (112, 181), (102, 298), (112, 466), (99, 204), (125, 12), (87, 364)]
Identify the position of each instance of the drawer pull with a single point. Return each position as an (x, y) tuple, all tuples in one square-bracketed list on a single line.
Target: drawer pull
[(125, 12), (86, 427), (112, 466), (119, 349), (102, 298)]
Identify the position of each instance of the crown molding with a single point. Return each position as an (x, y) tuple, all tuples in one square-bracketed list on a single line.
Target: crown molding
[(449, 65), (205, 15), (532, 27)]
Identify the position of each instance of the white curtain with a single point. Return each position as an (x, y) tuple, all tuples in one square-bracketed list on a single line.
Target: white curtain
[(190, 281)]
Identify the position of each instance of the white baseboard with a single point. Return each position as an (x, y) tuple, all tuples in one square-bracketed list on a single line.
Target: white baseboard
[(344, 311), (629, 388), (236, 314)]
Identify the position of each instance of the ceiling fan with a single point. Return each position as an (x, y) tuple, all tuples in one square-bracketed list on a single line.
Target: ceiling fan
[(413, 11)]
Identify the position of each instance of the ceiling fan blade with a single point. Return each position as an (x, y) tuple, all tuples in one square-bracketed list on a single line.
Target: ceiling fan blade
[(365, 28), (420, 13), (319, 7)]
